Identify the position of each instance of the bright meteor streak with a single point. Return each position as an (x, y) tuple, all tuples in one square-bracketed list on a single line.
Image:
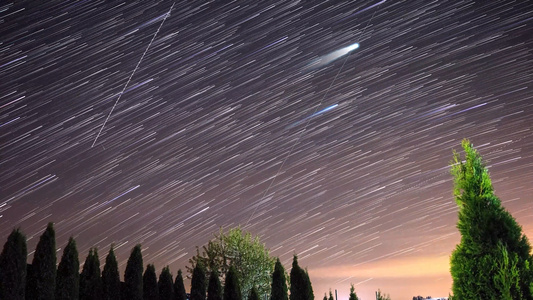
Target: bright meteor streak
[(313, 115), (326, 59)]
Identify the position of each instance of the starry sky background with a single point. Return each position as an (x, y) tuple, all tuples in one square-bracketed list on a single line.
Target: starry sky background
[(217, 104)]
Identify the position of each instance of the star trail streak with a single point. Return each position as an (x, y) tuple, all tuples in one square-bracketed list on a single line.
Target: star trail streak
[(202, 128)]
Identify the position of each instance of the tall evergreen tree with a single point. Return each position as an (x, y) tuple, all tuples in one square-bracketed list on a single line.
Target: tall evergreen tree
[(42, 283), (166, 289), (308, 286), (68, 273), (150, 289), (353, 295), (179, 287), (232, 290), (111, 277), (493, 259), (331, 295), (90, 280), (253, 294), (13, 267), (279, 283), (325, 296), (299, 289), (133, 276), (214, 290), (198, 283)]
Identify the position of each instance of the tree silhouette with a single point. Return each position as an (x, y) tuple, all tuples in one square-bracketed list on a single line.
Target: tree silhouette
[(179, 288), (90, 280), (232, 290), (198, 284), (13, 267), (68, 273), (214, 290), (133, 276), (166, 289), (150, 289), (42, 282), (279, 283), (111, 277)]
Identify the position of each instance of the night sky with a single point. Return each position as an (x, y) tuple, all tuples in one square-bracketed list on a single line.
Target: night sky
[(228, 92)]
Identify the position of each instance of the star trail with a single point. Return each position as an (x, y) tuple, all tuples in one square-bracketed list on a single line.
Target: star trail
[(211, 98)]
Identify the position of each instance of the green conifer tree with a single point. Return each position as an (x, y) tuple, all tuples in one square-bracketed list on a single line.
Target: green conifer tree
[(279, 283), (232, 290), (214, 290), (331, 295), (353, 295), (325, 296), (492, 242), (133, 276), (253, 294), (68, 273), (90, 280), (150, 289), (198, 283), (179, 287), (111, 277), (308, 286), (13, 267), (42, 282), (297, 281), (166, 288)]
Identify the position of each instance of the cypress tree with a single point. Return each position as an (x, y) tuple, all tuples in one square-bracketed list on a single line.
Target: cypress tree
[(150, 290), (232, 290), (133, 276), (308, 286), (166, 289), (297, 281), (179, 287), (279, 283), (198, 282), (68, 273), (214, 290), (330, 295), (111, 277), (13, 267), (253, 294), (42, 283), (90, 280), (325, 297), (353, 295), (493, 259)]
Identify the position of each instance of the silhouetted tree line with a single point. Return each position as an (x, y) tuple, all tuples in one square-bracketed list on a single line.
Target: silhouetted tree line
[(42, 281)]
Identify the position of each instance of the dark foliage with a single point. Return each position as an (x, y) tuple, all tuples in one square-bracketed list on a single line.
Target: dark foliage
[(150, 290), (179, 288), (253, 294), (90, 280), (279, 283), (133, 276), (198, 283), (13, 267), (111, 277), (68, 273), (353, 295), (232, 290), (214, 290), (166, 289), (41, 284)]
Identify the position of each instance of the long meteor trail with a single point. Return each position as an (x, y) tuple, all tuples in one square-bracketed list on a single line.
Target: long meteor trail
[(129, 79)]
